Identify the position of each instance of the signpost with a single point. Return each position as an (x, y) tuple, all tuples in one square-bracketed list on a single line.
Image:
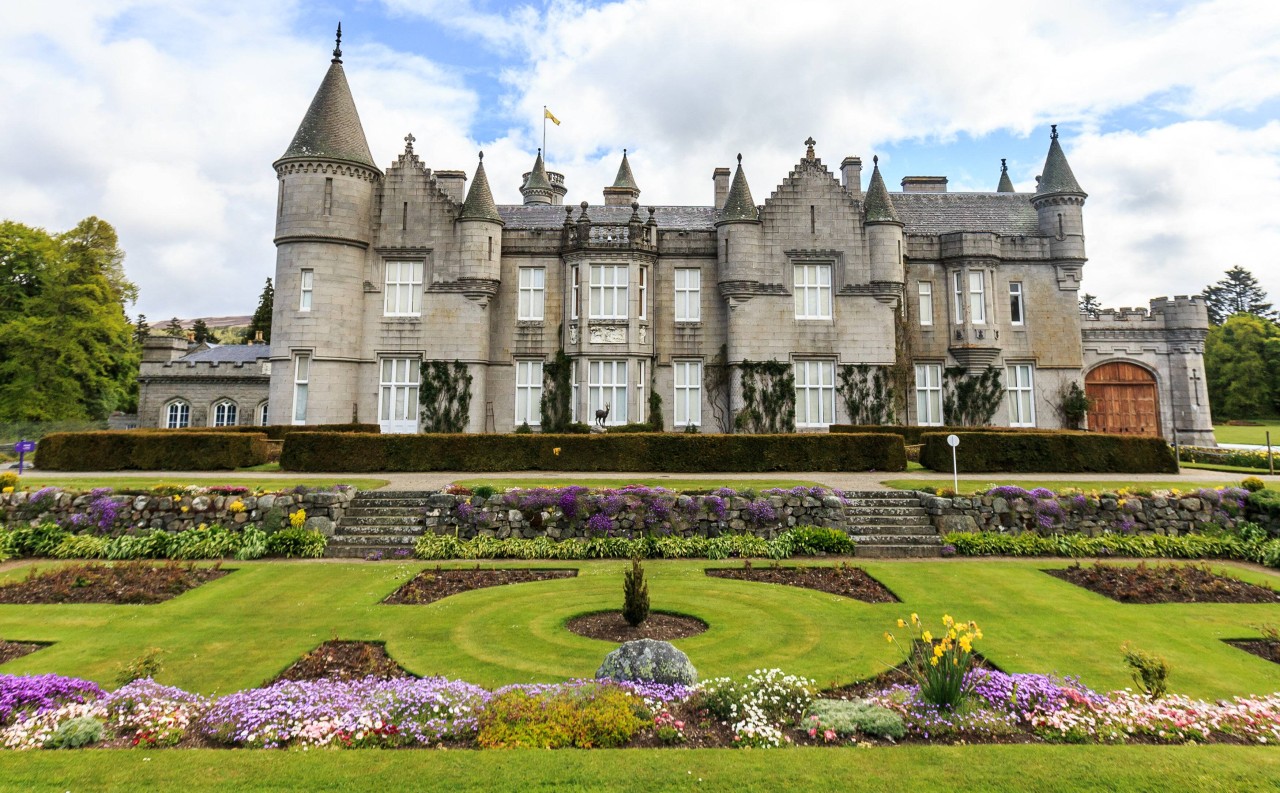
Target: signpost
[(22, 447), (953, 441)]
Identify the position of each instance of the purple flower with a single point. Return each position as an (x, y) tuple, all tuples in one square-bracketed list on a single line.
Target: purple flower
[(599, 523), (759, 512), (40, 693), (716, 506)]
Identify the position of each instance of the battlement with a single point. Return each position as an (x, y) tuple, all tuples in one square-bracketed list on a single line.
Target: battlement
[(258, 368), (1180, 311)]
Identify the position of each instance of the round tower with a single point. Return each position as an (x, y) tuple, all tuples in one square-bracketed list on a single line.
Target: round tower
[(479, 238), (884, 231), (327, 182), (1059, 204)]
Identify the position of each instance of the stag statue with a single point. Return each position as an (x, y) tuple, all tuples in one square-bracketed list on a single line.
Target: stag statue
[(601, 416)]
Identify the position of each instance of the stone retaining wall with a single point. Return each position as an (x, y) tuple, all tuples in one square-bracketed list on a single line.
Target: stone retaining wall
[(178, 513)]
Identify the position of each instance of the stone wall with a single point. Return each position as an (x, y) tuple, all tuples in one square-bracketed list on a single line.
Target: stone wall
[(179, 513), (494, 517)]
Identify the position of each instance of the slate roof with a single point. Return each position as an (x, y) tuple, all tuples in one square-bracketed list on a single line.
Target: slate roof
[(878, 204), (625, 178), (938, 213), (331, 128), (1057, 176), (739, 205), (229, 353), (548, 216), (479, 204)]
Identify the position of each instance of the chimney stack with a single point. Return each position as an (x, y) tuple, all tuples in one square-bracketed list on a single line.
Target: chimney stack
[(924, 184), (851, 175), (720, 177)]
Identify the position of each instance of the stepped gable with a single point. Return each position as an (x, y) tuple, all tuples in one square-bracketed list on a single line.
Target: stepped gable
[(807, 174)]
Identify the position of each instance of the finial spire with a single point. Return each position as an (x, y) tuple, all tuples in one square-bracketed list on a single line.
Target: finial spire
[(1005, 185), (875, 159), (1004, 168), (808, 151), (481, 156), (337, 46), (739, 158), (1053, 132), (408, 143)]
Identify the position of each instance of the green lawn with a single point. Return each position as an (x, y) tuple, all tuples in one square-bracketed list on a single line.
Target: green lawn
[(998, 769), (1257, 435), (670, 482), (33, 481), (243, 629), (1102, 485)]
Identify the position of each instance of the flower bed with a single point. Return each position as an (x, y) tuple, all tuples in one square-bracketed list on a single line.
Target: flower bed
[(1164, 583), (131, 582), (432, 585), (842, 579)]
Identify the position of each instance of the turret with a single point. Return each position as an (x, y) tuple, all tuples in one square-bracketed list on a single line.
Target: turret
[(624, 191), (884, 231), (1059, 204), (327, 185), (738, 231), (537, 187), (1006, 184), (479, 240)]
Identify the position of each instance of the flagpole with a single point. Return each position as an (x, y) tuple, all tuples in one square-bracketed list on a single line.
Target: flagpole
[(544, 133)]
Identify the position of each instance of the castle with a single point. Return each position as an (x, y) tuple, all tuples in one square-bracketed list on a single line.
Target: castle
[(850, 292)]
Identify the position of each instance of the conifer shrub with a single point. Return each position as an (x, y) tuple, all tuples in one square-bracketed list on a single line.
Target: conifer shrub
[(635, 594)]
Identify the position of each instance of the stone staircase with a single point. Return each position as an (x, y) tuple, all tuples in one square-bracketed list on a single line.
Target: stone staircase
[(890, 524), (379, 520)]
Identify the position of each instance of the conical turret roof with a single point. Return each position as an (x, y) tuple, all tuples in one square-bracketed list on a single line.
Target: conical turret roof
[(878, 205), (331, 128), (1057, 176), (739, 205), (625, 178), (538, 176), (479, 204), (1006, 184)]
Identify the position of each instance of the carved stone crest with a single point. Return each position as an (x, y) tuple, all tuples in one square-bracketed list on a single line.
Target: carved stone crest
[(608, 334)]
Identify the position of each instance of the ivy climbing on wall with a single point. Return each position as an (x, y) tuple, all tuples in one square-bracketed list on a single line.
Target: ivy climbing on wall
[(970, 400), (867, 394), (656, 422), (557, 391), (717, 376), (768, 397), (445, 396)]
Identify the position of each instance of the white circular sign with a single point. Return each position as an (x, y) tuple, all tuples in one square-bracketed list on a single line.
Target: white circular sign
[(953, 440)]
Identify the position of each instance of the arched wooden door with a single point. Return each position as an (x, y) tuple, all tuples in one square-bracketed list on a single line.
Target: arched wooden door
[(1124, 399)]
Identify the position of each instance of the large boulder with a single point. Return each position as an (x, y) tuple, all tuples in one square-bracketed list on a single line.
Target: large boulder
[(648, 661)]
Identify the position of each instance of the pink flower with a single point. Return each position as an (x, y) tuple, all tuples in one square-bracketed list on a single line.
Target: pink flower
[(829, 736)]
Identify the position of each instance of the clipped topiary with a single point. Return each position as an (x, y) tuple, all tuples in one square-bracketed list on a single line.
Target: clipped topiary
[(635, 595), (648, 661)]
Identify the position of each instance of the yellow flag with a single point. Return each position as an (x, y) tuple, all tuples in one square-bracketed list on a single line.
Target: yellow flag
[(547, 114)]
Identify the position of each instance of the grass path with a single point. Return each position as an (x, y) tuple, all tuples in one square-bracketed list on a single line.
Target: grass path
[(1256, 435)]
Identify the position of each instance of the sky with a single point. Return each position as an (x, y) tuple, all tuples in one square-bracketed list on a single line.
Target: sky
[(163, 116)]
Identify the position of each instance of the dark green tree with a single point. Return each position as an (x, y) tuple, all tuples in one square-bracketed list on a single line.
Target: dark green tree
[(1242, 367), (141, 330), (1089, 305), (202, 332), (66, 344), (175, 329), (262, 315), (1237, 293)]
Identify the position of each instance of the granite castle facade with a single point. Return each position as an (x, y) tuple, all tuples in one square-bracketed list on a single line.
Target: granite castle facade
[(381, 270)]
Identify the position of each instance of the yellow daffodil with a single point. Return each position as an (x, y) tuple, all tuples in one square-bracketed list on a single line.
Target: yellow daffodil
[(948, 620), (915, 619), (901, 623), (933, 661), (888, 637), (928, 637), (938, 651)]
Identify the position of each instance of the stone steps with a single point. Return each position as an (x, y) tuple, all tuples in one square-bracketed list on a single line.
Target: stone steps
[(890, 525), (879, 519), (379, 521)]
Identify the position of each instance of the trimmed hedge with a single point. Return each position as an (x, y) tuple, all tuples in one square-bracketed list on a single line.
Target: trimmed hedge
[(912, 434), (150, 451), (653, 451), (1049, 452), (1142, 546), (277, 432)]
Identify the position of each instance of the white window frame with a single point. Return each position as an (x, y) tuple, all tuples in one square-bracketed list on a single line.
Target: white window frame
[(225, 413), (643, 292), (301, 383), (977, 297), (926, 302), (574, 291), (402, 288), (177, 415), (306, 283), (1020, 389), (958, 284), (608, 291), (607, 384), (929, 394), (532, 293), (1017, 308), (528, 393), (642, 404), (573, 388), (687, 396), (688, 286), (815, 393), (263, 414), (812, 288), (398, 383)]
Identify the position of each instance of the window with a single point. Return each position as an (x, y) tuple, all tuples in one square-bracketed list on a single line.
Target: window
[(307, 282), (225, 413), (644, 291), (977, 297), (533, 282), (403, 294), (301, 379), (815, 393), (1015, 302), (328, 196), (929, 394), (813, 291), (573, 378), (262, 414), (1022, 408), (573, 292), (607, 385), (959, 294), (608, 291), (398, 395), (280, 200), (642, 405), (926, 302), (688, 376), (177, 415), (528, 393), (688, 294)]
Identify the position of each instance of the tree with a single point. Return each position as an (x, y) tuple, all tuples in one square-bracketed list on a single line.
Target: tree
[(66, 344), (141, 330), (262, 315), (175, 329), (1242, 367), (1237, 293), (1089, 305), (202, 332)]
